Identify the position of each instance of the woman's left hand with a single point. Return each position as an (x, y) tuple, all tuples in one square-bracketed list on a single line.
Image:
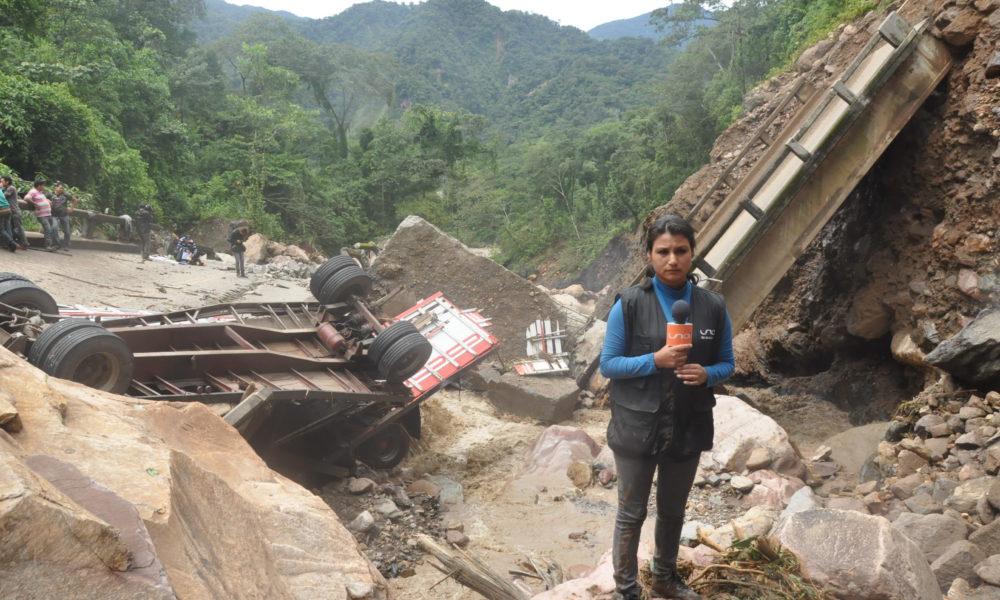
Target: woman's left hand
[(691, 374)]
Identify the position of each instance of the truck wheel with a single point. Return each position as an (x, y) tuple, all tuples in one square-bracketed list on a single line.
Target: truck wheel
[(404, 358), (52, 334), (347, 282), (388, 337), (385, 449), (5, 276), (92, 356), (331, 266), (21, 293)]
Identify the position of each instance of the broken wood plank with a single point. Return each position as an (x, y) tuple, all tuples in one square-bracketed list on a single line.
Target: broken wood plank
[(471, 572)]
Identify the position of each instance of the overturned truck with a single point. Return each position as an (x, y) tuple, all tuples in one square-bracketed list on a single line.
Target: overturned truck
[(312, 386)]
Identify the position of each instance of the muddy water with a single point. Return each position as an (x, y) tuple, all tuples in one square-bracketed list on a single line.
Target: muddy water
[(468, 441)]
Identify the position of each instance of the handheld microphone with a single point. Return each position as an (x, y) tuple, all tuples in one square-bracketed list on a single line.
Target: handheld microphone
[(679, 332)]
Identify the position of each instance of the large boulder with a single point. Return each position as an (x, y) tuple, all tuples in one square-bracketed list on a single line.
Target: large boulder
[(739, 430), (548, 398), (256, 250), (587, 353), (425, 260), (973, 354), (222, 524), (556, 450), (857, 556), (214, 233)]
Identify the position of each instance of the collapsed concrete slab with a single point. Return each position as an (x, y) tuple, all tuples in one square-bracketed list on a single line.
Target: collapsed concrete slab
[(548, 398), (222, 524), (425, 260)]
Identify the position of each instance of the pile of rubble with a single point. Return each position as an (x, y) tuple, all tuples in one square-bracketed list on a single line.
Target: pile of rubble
[(386, 512)]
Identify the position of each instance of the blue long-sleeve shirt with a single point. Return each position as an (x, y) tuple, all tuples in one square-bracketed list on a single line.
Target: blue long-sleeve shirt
[(615, 365)]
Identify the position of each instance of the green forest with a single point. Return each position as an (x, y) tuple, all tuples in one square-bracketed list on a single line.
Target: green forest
[(502, 128)]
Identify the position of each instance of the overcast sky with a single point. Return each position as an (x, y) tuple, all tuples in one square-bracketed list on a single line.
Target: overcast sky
[(585, 14)]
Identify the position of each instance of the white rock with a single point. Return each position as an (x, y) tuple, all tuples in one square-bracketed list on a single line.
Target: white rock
[(739, 429)]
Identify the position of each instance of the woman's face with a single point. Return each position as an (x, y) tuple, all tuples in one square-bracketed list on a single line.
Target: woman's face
[(671, 258)]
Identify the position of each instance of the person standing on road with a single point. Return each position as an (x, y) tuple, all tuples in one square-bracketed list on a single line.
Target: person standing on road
[(16, 226), (5, 234), (143, 219), (63, 205), (236, 238), (661, 402), (43, 212)]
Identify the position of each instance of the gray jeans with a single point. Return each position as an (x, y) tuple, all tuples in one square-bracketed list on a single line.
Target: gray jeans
[(635, 479), (65, 223), (49, 230), (17, 230), (240, 266)]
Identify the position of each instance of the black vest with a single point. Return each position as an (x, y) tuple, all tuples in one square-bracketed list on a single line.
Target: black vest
[(658, 413)]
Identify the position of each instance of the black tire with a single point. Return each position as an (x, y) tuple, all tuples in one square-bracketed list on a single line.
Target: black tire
[(92, 356), (53, 333), (404, 358), (331, 266), (385, 449), (5, 276), (389, 336), (22, 293), (347, 282)]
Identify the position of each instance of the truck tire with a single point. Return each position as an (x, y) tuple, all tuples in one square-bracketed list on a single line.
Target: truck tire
[(385, 449), (6, 276), (389, 336), (347, 282), (331, 266), (50, 335), (404, 358), (92, 356), (21, 293)]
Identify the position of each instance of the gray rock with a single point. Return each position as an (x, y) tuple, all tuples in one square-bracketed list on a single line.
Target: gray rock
[(359, 590), (989, 570), (386, 508), (451, 491), (958, 560), (689, 533), (923, 504), (969, 441), (965, 496), (925, 423), (932, 533), (961, 590), (587, 352), (909, 463), (803, 499), (987, 538), (548, 399), (360, 485), (973, 354), (943, 487), (363, 522), (858, 556), (971, 412), (741, 484), (937, 448), (993, 495), (905, 487)]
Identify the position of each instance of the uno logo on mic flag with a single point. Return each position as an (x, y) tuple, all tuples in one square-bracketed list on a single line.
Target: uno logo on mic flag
[(679, 334)]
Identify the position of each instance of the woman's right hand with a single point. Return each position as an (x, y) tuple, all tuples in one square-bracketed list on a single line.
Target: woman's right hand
[(671, 357)]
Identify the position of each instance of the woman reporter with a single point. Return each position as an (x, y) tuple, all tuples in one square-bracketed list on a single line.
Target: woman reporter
[(661, 402)]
